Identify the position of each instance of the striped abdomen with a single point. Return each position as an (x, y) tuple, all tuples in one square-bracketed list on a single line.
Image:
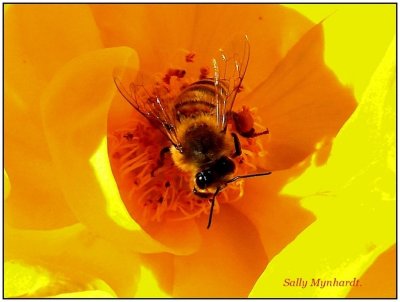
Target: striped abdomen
[(197, 99)]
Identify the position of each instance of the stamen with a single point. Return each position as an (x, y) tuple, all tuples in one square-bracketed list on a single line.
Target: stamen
[(190, 57), (166, 194)]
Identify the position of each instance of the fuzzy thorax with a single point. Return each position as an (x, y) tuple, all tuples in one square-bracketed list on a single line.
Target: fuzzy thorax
[(202, 143)]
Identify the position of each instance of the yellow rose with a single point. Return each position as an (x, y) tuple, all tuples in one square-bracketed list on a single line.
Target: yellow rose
[(68, 232)]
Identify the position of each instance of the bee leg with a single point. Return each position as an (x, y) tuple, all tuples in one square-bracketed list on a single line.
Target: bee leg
[(253, 133), (201, 194), (161, 160), (238, 148)]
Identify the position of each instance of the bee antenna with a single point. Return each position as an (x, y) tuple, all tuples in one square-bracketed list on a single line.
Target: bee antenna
[(212, 206), (224, 185), (248, 176)]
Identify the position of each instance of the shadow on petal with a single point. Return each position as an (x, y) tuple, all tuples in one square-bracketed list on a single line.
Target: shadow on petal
[(278, 218), (302, 103), (228, 263)]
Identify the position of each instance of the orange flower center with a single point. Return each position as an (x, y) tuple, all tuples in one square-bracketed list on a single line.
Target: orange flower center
[(154, 192)]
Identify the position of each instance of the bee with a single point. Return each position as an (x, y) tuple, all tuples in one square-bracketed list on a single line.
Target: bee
[(196, 121)]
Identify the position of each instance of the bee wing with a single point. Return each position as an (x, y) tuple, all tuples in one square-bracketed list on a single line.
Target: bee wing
[(151, 105), (229, 70)]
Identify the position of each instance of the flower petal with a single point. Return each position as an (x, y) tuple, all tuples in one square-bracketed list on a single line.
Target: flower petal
[(75, 107), (272, 30), (150, 283), (38, 40), (77, 254), (27, 280), (231, 251), (379, 281), (36, 200), (23, 280), (299, 113), (278, 218), (154, 30), (354, 204), (7, 185), (89, 294), (360, 45)]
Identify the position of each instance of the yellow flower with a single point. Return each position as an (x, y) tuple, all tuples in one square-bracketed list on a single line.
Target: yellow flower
[(67, 231)]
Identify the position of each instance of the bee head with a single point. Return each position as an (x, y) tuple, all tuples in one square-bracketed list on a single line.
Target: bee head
[(215, 172)]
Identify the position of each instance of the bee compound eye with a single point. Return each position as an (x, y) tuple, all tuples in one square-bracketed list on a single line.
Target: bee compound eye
[(201, 180), (204, 179)]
